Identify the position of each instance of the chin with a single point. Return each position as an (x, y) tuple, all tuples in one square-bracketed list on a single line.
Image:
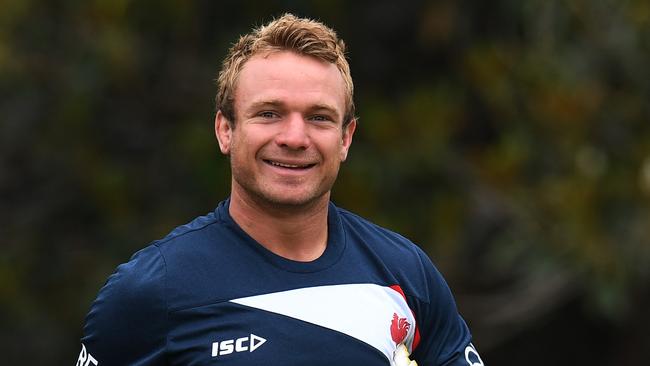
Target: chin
[(285, 196), (288, 199), (285, 200)]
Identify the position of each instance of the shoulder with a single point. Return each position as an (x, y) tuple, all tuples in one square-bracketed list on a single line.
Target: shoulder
[(411, 266), (199, 227), (130, 311), (358, 225), (443, 335), (387, 242), (193, 244), (141, 283), (134, 283)]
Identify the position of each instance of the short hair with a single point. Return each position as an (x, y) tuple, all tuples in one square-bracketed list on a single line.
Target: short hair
[(287, 33)]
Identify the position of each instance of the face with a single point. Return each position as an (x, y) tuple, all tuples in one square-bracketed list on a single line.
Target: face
[(288, 140)]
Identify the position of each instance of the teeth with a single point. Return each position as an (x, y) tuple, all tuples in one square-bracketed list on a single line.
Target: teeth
[(284, 165)]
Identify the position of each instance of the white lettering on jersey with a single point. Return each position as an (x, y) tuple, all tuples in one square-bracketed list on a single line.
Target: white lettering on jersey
[(85, 358), (243, 344), (472, 350)]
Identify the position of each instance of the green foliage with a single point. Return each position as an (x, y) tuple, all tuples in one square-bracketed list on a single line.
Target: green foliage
[(510, 139)]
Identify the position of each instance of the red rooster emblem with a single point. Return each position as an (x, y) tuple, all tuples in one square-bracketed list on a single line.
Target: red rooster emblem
[(399, 327)]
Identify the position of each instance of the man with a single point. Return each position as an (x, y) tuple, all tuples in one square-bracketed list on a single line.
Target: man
[(278, 275)]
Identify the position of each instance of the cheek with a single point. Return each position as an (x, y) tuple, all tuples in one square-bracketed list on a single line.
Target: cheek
[(245, 146), (237, 150), (334, 154), (338, 149)]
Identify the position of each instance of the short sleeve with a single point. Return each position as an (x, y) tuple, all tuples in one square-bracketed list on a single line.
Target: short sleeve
[(445, 337), (127, 323)]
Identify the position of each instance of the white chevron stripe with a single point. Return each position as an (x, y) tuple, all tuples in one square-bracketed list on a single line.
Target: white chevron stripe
[(362, 311)]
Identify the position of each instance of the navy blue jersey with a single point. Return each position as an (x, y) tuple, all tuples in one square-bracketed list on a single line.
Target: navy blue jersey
[(209, 294)]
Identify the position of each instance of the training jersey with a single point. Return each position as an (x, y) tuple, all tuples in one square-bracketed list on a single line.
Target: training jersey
[(209, 294)]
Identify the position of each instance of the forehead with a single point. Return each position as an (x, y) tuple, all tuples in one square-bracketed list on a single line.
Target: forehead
[(294, 79)]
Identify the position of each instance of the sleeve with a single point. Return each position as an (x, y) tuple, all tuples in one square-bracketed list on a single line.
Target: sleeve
[(445, 337), (127, 323)]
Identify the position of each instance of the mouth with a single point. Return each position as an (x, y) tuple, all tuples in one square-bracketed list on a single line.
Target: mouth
[(291, 166)]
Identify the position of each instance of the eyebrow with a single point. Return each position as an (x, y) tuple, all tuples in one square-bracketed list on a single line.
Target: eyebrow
[(264, 103), (253, 108)]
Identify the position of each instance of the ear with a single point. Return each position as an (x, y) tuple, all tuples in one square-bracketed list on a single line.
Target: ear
[(223, 131), (348, 132)]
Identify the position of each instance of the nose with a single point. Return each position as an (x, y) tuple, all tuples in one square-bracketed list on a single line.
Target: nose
[(294, 134)]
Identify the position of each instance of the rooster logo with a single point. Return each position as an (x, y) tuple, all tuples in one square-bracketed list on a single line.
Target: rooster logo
[(399, 328)]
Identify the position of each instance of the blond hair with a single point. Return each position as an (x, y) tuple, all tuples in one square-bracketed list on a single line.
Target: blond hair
[(287, 33)]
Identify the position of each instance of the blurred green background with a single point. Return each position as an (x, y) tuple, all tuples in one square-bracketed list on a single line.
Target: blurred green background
[(510, 139)]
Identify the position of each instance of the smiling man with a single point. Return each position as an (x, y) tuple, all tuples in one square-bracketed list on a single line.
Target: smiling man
[(277, 274), (286, 141)]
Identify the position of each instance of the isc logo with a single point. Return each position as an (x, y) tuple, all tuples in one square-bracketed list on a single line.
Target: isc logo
[(243, 344)]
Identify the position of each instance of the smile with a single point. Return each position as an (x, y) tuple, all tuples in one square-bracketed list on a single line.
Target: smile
[(289, 166)]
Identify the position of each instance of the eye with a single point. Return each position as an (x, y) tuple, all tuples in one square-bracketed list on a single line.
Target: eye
[(267, 114), (320, 118)]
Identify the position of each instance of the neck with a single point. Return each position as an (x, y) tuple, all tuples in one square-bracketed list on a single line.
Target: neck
[(296, 232)]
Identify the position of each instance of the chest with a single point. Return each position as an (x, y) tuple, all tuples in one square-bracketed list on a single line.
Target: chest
[(352, 324)]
